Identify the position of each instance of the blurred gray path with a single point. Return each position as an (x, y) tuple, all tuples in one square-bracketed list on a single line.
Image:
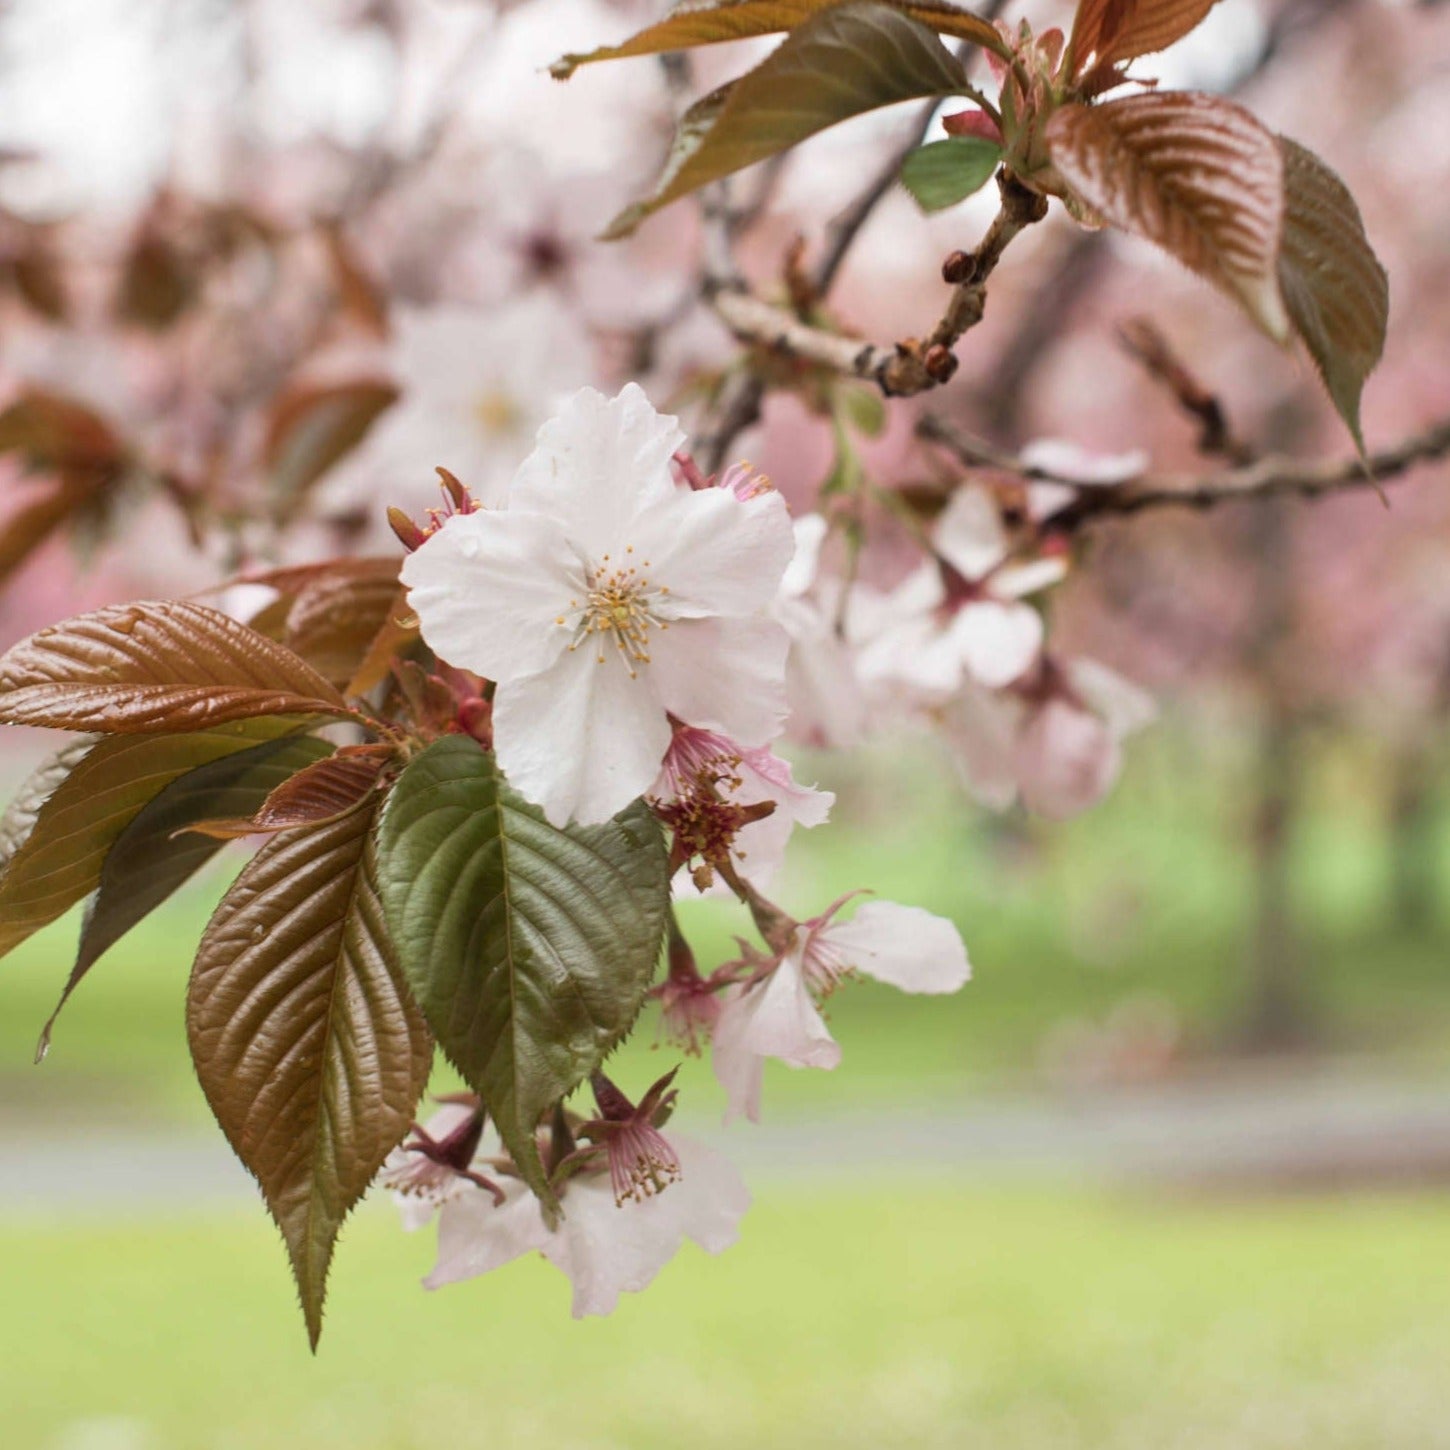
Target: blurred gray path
[(1320, 1131)]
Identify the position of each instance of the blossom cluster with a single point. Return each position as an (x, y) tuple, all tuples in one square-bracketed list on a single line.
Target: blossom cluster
[(637, 629)]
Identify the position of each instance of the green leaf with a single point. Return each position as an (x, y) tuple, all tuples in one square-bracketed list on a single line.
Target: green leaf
[(308, 1047), (62, 856), (1336, 292), (155, 853), (943, 173), (692, 23), (163, 666), (862, 407), (528, 948), (841, 63)]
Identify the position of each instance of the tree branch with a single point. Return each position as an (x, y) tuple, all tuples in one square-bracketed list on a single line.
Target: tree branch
[(1269, 478), (908, 367)]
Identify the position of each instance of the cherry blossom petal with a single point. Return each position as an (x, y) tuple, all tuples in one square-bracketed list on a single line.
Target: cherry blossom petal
[(715, 553), (722, 674), (475, 1236), (903, 946), (810, 533), (997, 642), (982, 729), (1123, 706), (773, 1018), (581, 739), (1016, 581), (608, 1249), (969, 534), (489, 588), (597, 464), (1066, 759)]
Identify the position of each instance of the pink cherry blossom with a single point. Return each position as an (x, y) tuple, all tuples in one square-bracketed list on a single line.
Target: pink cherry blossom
[(775, 1014), (1056, 741), (712, 791), (605, 600)]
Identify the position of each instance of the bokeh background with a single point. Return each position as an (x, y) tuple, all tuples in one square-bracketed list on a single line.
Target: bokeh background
[(1171, 1172)]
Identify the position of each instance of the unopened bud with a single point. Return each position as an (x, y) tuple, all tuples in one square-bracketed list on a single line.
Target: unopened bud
[(455, 491), (410, 535), (940, 363), (958, 268)]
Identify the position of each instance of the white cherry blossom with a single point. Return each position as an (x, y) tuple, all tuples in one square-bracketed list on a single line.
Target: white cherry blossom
[(605, 1247), (776, 1014), (605, 599)]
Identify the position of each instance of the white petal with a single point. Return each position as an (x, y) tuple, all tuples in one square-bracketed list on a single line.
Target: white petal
[(608, 1249), (488, 589), (716, 554), (901, 945), (982, 730), (474, 1236), (723, 674), (810, 533), (998, 642), (581, 739), (597, 464), (969, 534), (774, 1018), (1124, 707), (1016, 581), (1066, 760)]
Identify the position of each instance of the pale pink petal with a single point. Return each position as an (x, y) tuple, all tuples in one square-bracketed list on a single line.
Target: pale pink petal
[(1067, 759), (1016, 581), (969, 534), (722, 674), (597, 463), (715, 554), (475, 1236), (761, 846), (609, 1249), (581, 739), (997, 642), (773, 1018), (810, 533), (489, 590), (1124, 707), (823, 688), (901, 945), (981, 729)]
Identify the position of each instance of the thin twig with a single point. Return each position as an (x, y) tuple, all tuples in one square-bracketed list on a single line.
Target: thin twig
[(1269, 478), (842, 231), (908, 367)]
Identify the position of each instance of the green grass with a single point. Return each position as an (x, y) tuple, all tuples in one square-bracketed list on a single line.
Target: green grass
[(923, 1313)]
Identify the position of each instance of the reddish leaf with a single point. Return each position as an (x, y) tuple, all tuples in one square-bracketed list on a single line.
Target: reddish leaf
[(312, 427), (358, 292), (158, 284), (321, 792), (1337, 293), (335, 617), (36, 520), (692, 23), (1196, 174), (58, 859), (1108, 32), (154, 854), (308, 1046), (166, 666), (57, 434)]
